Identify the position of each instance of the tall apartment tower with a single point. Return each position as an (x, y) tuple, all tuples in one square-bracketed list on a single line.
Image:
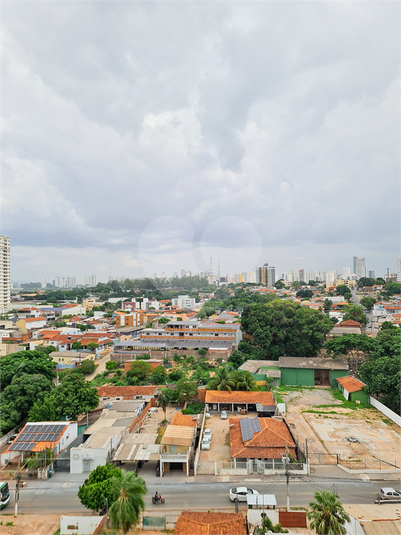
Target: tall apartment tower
[(398, 269), (266, 275), (360, 269), (302, 275), (5, 281)]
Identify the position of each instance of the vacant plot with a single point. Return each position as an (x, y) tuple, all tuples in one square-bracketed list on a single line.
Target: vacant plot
[(220, 446), (360, 437)]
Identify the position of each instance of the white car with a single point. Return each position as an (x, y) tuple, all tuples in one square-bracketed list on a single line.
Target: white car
[(241, 493), (205, 444), (224, 415), (207, 435), (388, 493)]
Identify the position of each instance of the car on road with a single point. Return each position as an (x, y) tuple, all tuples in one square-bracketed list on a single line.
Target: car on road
[(241, 493), (388, 493), (207, 435), (205, 444), (224, 415)]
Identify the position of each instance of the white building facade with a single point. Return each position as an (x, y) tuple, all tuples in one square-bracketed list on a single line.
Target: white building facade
[(5, 282)]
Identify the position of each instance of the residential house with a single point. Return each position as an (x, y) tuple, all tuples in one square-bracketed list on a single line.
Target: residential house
[(27, 324), (118, 393), (260, 438), (178, 443), (70, 359), (238, 401), (38, 436)]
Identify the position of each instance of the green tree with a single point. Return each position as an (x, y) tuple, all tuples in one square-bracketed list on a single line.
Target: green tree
[(355, 312), (26, 362), (366, 281), (163, 320), (202, 352), (127, 492), (163, 400), (246, 382), (76, 345), (282, 327), (222, 380), (368, 302), (87, 367), (236, 359), (327, 515), (351, 346), (110, 365), (96, 492), (342, 289), (74, 396), (327, 304), (43, 411), (295, 285), (158, 376), (279, 284), (304, 294), (140, 369), (186, 390), (92, 346)]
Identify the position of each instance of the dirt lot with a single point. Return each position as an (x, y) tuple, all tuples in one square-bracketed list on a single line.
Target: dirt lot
[(30, 524), (361, 437), (220, 446)]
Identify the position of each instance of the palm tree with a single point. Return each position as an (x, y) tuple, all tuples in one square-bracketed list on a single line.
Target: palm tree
[(128, 502), (222, 380), (162, 401), (245, 381), (327, 514)]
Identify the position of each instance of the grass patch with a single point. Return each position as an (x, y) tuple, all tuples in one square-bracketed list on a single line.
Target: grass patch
[(194, 408), (227, 440)]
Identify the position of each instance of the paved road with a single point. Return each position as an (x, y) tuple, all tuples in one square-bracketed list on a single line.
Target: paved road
[(61, 496), (101, 366)]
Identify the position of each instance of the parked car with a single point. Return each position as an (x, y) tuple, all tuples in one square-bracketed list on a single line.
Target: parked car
[(205, 444), (207, 435), (224, 415), (241, 493), (388, 493)]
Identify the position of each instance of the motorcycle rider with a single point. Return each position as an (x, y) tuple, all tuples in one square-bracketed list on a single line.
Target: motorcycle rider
[(157, 497)]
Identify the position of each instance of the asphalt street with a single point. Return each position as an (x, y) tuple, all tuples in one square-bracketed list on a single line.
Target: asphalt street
[(60, 495)]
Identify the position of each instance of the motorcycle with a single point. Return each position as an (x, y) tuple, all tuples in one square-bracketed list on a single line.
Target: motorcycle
[(157, 500)]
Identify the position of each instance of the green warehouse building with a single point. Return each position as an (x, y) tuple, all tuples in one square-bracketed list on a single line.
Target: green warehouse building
[(296, 371)]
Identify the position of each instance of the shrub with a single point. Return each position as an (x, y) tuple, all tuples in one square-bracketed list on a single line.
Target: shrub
[(194, 408)]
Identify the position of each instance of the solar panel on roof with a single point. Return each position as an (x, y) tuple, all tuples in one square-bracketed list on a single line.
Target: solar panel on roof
[(33, 428), (245, 429), (255, 425), (45, 428), (54, 436), (29, 446), (59, 428), (21, 437)]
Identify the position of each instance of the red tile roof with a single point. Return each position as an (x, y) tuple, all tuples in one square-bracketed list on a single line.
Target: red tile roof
[(200, 523), (39, 318), (269, 443), (350, 323), (184, 420), (222, 396), (351, 384)]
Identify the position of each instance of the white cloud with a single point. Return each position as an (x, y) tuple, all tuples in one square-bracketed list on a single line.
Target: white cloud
[(120, 118)]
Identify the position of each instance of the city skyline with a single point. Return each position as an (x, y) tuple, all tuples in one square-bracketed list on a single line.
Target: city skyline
[(247, 138)]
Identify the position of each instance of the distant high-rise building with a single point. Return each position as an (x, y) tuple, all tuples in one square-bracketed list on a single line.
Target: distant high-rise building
[(360, 269), (183, 273), (372, 274), (398, 269), (244, 276), (5, 281), (346, 273), (301, 275), (266, 275), (43, 283), (317, 276), (252, 277)]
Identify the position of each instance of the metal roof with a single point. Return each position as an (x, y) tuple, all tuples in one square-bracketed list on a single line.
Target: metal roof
[(313, 363), (177, 344)]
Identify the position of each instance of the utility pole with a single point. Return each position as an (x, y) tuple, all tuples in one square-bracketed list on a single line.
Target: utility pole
[(18, 479), (287, 475)]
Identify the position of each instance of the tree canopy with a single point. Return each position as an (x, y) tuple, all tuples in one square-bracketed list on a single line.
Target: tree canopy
[(286, 328), (127, 496), (368, 302), (96, 491), (355, 312)]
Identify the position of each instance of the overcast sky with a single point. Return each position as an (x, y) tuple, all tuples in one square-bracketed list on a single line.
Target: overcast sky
[(148, 137)]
